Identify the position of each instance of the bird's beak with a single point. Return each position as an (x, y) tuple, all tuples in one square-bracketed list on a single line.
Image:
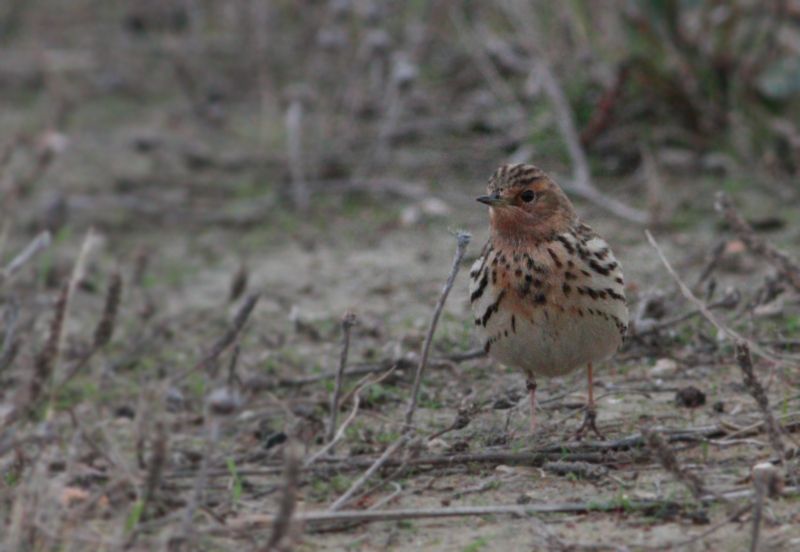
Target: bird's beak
[(493, 200)]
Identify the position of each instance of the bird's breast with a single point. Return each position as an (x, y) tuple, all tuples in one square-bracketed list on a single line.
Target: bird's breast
[(550, 308)]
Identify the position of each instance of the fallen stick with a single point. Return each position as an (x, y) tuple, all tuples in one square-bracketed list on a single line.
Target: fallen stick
[(756, 390), (592, 452), (533, 459), (368, 368), (369, 516), (318, 517), (374, 467)]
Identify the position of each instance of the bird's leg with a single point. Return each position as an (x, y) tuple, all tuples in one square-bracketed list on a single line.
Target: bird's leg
[(590, 418), (530, 385)]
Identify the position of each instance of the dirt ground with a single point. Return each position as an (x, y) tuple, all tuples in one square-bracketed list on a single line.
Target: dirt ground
[(174, 432)]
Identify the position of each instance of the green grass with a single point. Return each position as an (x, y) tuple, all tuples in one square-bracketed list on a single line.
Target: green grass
[(236, 489), (481, 543)]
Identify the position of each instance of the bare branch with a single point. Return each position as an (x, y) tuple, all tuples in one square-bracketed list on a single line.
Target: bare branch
[(226, 340), (581, 182), (462, 241), (348, 494), (37, 245), (281, 527), (703, 308), (757, 391), (348, 321), (669, 462)]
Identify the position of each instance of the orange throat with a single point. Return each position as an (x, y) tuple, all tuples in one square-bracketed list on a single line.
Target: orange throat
[(515, 226)]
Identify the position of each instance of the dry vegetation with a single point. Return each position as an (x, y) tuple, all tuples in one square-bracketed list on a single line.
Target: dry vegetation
[(224, 232)]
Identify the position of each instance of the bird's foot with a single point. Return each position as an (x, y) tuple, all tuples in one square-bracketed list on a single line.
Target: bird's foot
[(589, 423), (530, 385)]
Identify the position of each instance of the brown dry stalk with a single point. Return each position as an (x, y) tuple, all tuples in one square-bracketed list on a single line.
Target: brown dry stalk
[(226, 340), (10, 343), (238, 283), (155, 468), (46, 359), (282, 524), (788, 267), (187, 533), (756, 390), (669, 462), (105, 328), (462, 241), (348, 321), (366, 382), (390, 450)]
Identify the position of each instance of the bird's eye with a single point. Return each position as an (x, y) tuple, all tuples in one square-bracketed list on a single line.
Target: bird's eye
[(527, 196)]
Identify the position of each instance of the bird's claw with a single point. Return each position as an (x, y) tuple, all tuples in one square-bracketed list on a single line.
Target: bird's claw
[(589, 423)]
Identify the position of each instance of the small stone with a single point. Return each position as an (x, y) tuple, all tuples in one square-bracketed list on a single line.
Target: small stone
[(663, 366), (767, 477), (690, 397), (223, 401), (438, 446)]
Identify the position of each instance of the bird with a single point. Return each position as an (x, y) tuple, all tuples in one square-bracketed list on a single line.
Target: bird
[(547, 293)]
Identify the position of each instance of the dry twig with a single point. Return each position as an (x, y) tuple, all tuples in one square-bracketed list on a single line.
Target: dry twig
[(226, 340), (10, 345), (703, 308), (581, 182), (37, 245), (348, 321), (462, 241), (341, 431), (348, 494), (318, 517), (281, 527), (669, 461), (155, 469), (774, 431), (105, 328), (788, 267)]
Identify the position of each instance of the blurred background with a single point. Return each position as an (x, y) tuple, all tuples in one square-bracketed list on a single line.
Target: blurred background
[(321, 153), (208, 112)]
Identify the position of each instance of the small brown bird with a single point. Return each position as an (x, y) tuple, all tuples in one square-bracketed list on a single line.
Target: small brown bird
[(547, 293)]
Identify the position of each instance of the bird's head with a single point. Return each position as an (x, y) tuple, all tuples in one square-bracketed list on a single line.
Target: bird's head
[(525, 204)]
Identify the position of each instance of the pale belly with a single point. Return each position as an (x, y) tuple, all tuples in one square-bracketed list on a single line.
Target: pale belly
[(552, 343)]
